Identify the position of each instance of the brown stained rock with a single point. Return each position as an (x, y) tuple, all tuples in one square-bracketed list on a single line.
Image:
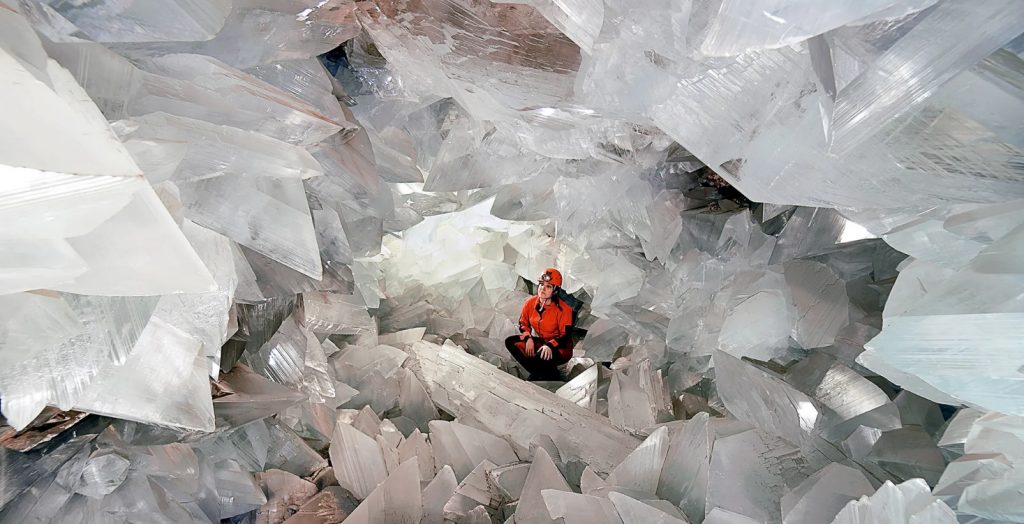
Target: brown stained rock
[(50, 423), (286, 493), (513, 34), (331, 506), (325, 478)]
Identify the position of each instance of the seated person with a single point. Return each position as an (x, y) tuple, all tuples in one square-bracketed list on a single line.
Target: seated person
[(545, 339)]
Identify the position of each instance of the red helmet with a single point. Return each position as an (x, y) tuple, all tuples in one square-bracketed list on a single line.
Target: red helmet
[(552, 276)]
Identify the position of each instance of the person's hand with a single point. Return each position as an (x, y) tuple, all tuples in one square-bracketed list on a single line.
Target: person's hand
[(524, 335), (528, 351), (545, 353)]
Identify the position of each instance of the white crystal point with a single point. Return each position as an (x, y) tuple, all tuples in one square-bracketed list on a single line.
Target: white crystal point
[(282, 358), (723, 516), (139, 251), (758, 397), (415, 402), (629, 406), (684, 477), (574, 508), (164, 381), (543, 475), (997, 433), (953, 438), (237, 489), (972, 469), (357, 460), (38, 90), (748, 474), (824, 494), (269, 216), (632, 511), (416, 445), (437, 494), (510, 480), (395, 501), (464, 448), (355, 363), (473, 492), (915, 280), (642, 468), (908, 503)]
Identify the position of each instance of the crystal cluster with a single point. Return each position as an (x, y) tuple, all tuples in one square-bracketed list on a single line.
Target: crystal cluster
[(258, 259)]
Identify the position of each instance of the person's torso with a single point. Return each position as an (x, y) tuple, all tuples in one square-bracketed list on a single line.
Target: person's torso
[(548, 322)]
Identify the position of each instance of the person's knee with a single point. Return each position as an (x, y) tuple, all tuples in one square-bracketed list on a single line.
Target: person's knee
[(510, 343)]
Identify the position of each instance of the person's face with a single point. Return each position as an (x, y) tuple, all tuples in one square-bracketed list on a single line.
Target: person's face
[(544, 290)]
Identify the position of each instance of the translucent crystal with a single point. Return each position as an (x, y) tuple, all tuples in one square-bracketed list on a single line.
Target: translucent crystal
[(103, 474), (929, 366), (861, 112), (285, 231), (357, 461), (286, 31), (641, 470), (741, 27), (909, 502), (287, 451), (110, 326), (578, 509), (757, 397), (464, 385), (237, 490), (251, 397), (821, 303), (416, 445), (763, 463), (193, 86), (146, 21), (164, 381), (336, 314), (396, 500), (909, 453), (543, 475), (138, 251), (415, 403), (282, 359), (684, 477), (955, 433), (437, 494), (824, 494), (474, 491), (464, 448), (722, 516), (283, 490), (635, 512)]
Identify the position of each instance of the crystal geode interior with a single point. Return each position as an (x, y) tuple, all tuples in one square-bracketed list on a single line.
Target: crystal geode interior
[(258, 259)]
